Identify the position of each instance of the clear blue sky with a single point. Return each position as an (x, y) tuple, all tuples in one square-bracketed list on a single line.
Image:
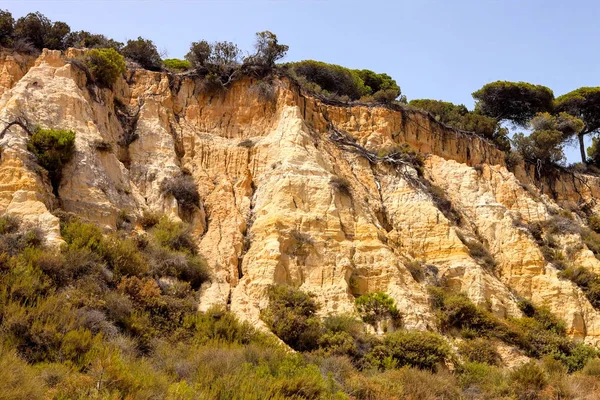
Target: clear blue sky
[(437, 49)]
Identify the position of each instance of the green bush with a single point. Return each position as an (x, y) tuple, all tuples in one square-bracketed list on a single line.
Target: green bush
[(217, 324), (528, 380), (38, 30), (458, 116), (106, 65), (177, 65), (291, 316), (7, 25), (144, 52), (173, 235), (53, 148), (341, 81), (377, 307), (424, 350), (19, 380), (87, 40), (479, 351), (587, 280)]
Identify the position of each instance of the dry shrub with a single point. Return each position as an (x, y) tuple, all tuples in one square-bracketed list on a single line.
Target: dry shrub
[(184, 189), (341, 186)]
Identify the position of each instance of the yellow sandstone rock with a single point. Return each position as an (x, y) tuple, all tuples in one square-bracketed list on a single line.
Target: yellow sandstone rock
[(283, 202)]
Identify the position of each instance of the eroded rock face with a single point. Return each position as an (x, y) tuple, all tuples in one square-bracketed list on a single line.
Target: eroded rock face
[(283, 202)]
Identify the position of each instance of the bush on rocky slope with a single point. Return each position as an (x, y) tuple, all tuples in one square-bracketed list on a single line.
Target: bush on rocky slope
[(53, 149)]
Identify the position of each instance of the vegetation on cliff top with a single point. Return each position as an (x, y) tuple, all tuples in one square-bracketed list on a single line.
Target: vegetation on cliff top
[(221, 63)]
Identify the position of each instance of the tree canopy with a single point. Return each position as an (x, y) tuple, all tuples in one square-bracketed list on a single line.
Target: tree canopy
[(144, 52), (517, 102), (583, 103)]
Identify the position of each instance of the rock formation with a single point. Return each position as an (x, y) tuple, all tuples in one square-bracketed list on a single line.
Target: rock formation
[(295, 190)]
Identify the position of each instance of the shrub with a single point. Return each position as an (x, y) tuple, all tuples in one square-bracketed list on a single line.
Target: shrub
[(19, 380), (291, 316), (594, 223), (423, 350), (528, 380), (479, 252), (480, 351), (83, 39), (341, 186), (219, 324), (7, 23), (177, 65), (80, 235), (331, 78), (38, 30), (149, 219), (441, 201), (123, 257), (264, 90), (184, 189), (186, 267), (458, 116), (268, 51), (588, 281), (377, 307), (143, 52), (106, 65), (9, 224), (173, 235), (53, 148)]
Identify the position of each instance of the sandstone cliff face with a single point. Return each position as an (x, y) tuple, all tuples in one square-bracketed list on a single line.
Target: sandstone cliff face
[(270, 213)]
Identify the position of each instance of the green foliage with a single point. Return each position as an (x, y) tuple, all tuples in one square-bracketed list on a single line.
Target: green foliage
[(587, 280), (174, 236), (177, 65), (268, 51), (106, 65), (291, 316), (331, 78), (545, 146), (87, 40), (517, 102), (19, 380), (144, 52), (594, 223), (424, 350), (38, 30), (219, 325), (7, 25), (53, 148), (219, 62), (377, 307), (584, 104), (479, 351), (529, 379), (457, 116)]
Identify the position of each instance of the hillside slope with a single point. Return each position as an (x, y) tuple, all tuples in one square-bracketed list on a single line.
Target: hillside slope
[(296, 191)]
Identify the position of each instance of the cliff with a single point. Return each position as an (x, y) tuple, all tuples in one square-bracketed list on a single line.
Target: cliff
[(271, 210)]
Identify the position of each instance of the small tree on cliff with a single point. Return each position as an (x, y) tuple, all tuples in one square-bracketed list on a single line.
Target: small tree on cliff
[(268, 51), (544, 144), (106, 65), (7, 23), (144, 52), (583, 103), (38, 30), (517, 102), (53, 148)]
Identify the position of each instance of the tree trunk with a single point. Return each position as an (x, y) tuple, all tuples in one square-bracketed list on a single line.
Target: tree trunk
[(582, 147)]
